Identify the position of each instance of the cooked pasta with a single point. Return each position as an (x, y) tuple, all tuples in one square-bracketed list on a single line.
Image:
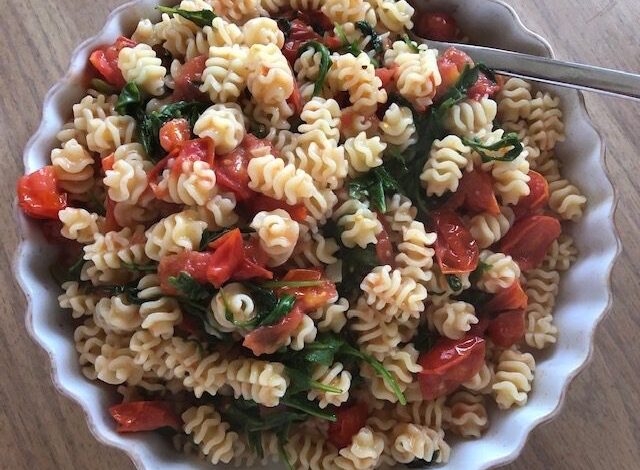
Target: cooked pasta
[(140, 65), (468, 415), (566, 200), (79, 224), (394, 14), (357, 77), (402, 363), (270, 79), (260, 381), (211, 434), (111, 250), (394, 293), (411, 441), (454, 319), (225, 74), (222, 123), (363, 153), (471, 118), (417, 73), (546, 128), (360, 226), (173, 234), (73, 167), (75, 299), (334, 376), (488, 229), (397, 127), (514, 374), (443, 170), (499, 271)]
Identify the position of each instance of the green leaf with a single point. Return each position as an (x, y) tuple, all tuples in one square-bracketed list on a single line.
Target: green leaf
[(103, 87), (454, 282), (412, 44), (130, 101), (259, 130), (190, 288), (372, 186), (507, 149), (367, 30), (142, 268), (282, 308), (325, 63), (310, 408), (264, 299), (424, 339), (347, 47), (356, 264), (475, 297), (477, 273), (301, 382), (324, 349), (202, 18)]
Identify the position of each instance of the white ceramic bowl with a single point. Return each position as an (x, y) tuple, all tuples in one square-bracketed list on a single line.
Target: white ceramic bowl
[(584, 294)]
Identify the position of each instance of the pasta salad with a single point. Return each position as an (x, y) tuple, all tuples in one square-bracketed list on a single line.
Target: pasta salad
[(288, 232)]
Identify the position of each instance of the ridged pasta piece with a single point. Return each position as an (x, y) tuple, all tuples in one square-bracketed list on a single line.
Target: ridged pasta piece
[(262, 31), (79, 224), (314, 250), (208, 375), (160, 314), (393, 293), (566, 200), (144, 33), (305, 333), (488, 229), (364, 451), (308, 452), (415, 255), (127, 180), (332, 317), (274, 116), (359, 225), (374, 335), (116, 314), (334, 376), (397, 127), (454, 319), (546, 128), (139, 64), (307, 65), (222, 123), (73, 167), (77, 300), (272, 177), (500, 272), (344, 11), (90, 107), (173, 234), (541, 287), (395, 15), (146, 210), (270, 79), (482, 381), (417, 74), (356, 76), (105, 276), (409, 442), (110, 250), (402, 364), (471, 118), (88, 339), (237, 10), (363, 153), (211, 434), (442, 171), (356, 124), (430, 413), (561, 254), (514, 100), (260, 381), (193, 184), (175, 33), (219, 211), (234, 300), (115, 365), (400, 213), (225, 75), (514, 374), (106, 135), (468, 415), (319, 114)]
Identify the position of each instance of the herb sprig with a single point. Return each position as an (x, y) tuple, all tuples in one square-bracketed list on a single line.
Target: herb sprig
[(201, 18), (325, 63)]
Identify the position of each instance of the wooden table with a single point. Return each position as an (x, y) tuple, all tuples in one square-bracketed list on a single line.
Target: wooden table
[(599, 424)]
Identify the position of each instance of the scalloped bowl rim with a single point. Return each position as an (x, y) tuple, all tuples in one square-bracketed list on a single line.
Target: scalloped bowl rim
[(136, 452)]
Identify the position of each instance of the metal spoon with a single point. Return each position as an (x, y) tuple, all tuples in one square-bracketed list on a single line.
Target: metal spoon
[(556, 72)]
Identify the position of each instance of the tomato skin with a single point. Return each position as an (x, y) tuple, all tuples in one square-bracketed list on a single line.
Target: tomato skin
[(350, 419), (197, 150), (451, 63), (295, 100), (317, 20), (456, 250), (186, 84), (105, 61), (387, 76), (438, 26), (194, 263), (268, 339), (309, 298), (38, 194), (174, 133), (253, 262), (475, 194), (140, 416), (507, 328), (536, 199), (529, 239), (299, 34), (332, 42), (448, 364), (510, 298), (228, 252), (483, 88), (384, 247), (260, 202), (231, 172), (107, 163)]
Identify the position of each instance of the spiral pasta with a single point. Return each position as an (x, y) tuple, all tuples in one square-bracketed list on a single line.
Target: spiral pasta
[(73, 167), (79, 224), (499, 273), (173, 234), (315, 250), (394, 14), (332, 317), (237, 10), (75, 299), (417, 74), (88, 339), (471, 118), (127, 180), (360, 226), (278, 234), (106, 135), (397, 127), (394, 293), (541, 287), (364, 452), (192, 184), (262, 31), (566, 200), (514, 100), (270, 79), (344, 11), (402, 364), (546, 128), (232, 301), (443, 170), (111, 250), (363, 153), (225, 75), (411, 441), (139, 64), (117, 315), (415, 255), (334, 376), (514, 374), (222, 123), (211, 434), (468, 415), (219, 211), (159, 314), (561, 254), (488, 229), (375, 335), (454, 319), (260, 381), (272, 177)]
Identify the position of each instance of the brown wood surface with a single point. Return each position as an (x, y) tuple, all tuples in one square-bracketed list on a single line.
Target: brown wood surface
[(599, 424)]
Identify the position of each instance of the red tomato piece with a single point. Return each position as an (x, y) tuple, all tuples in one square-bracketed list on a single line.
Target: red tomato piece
[(174, 133), (187, 86), (507, 328), (299, 34), (194, 263), (295, 100), (110, 222), (107, 163), (529, 239), (317, 20), (456, 250), (309, 298), (511, 298), (268, 339), (479, 328), (350, 419), (137, 416), (197, 150), (475, 194), (451, 64), (387, 76), (38, 194), (384, 247), (231, 172), (228, 252), (537, 198), (190, 326), (482, 88), (105, 61), (332, 42), (253, 263), (260, 202), (437, 26), (448, 364)]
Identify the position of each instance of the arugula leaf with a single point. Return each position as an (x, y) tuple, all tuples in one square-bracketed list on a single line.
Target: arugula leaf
[(130, 101), (285, 26), (372, 186), (421, 463), (501, 147), (190, 288), (102, 86), (264, 299), (301, 382), (380, 370), (142, 268), (412, 45), (477, 273), (475, 297), (325, 63), (367, 30), (202, 18), (454, 282), (282, 308), (310, 408), (259, 130), (424, 340)]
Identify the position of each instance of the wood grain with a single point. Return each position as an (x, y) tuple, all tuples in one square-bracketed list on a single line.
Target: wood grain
[(599, 424)]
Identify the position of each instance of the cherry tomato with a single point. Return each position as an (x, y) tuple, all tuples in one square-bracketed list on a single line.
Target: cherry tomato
[(299, 34), (387, 76), (187, 86), (190, 326), (139, 416), (451, 63), (110, 222), (537, 198), (448, 364), (309, 298), (174, 133), (475, 194), (194, 263), (260, 202), (482, 88), (228, 252), (479, 328), (197, 150), (38, 194), (332, 42), (384, 247), (507, 328), (268, 339), (511, 298), (105, 60), (253, 263), (349, 420), (153, 176), (437, 26), (456, 250), (231, 172), (529, 239)]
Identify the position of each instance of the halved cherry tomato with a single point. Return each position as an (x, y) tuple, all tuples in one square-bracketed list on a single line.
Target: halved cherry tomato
[(384, 247), (197, 150), (253, 262), (174, 133), (268, 339), (332, 42), (38, 194), (386, 76), (107, 162), (260, 202), (349, 420), (511, 298), (194, 263), (187, 86), (451, 64), (137, 416), (438, 26), (529, 239), (231, 172), (456, 250), (153, 176), (480, 328), (299, 34), (483, 88), (537, 198), (190, 325), (507, 328), (309, 298), (475, 194), (448, 364), (228, 252), (105, 60)]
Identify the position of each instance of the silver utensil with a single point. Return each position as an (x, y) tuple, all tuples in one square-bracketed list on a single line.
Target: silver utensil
[(556, 72)]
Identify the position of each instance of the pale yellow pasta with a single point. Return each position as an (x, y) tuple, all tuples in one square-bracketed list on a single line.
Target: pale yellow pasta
[(514, 100), (117, 315), (90, 107), (356, 76), (160, 314), (417, 74), (482, 381), (194, 184), (88, 339), (278, 234), (305, 333), (237, 10), (375, 335), (566, 200), (145, 33), (274, 178), (546, 128), (468, 415), (270, 79), (454, 319), (514, 374), (115, 366), (140, 65), (220, 33), (344, 11), (127, 180), (225, 74), (231, 304), (442, 171), (219, 211), (79, 224), (410, 441), (402, 364), (314, 250), (541, 287), (333, 316), (113, 248), (79, 302), (471, 118), (260, 381), (334, 376), (431, 413), (106, 135), (359, 225), (307, 66), (173, 234), (262, 31), (561, 254), (415, 255), (323, 116), (363, 153), (73, 167), (211, 434), (222, 123), (499, 272), (395, 15), (364, 451), (397, 127), (400, 213), (395, 294), (488, 229), (208, 375)]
